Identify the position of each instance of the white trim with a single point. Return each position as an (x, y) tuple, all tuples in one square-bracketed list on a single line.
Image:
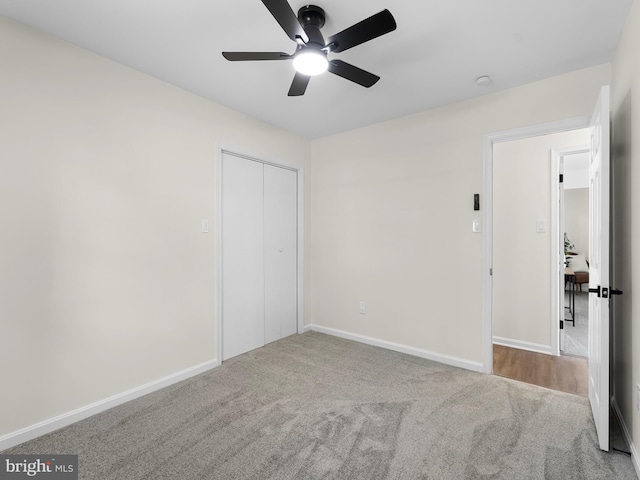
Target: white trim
[(256, 157), (487, 257), (396, 347), (519, 344), (557, 303), (300, 234), (635, 458), (33, 431), (300, 250), (537, 130), (218, 253)]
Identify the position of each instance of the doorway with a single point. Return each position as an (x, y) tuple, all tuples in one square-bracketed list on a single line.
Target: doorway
[(527, 253), (573, 195), (528, 275), (599, 214), (488, 237)]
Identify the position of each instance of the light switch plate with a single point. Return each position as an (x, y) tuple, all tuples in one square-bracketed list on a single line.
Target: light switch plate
[(476, 226), (204, 225), (541, 226)]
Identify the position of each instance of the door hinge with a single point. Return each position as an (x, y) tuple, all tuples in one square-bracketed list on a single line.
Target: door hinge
[(561, 325), (491, 271), (561, 178)]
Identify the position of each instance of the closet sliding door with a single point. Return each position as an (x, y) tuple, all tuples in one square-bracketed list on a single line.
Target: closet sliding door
[(259, 254), (242, 256), (280, 252)]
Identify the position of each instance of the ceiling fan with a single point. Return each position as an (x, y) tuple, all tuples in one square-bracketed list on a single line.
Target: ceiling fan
[(310, 57)]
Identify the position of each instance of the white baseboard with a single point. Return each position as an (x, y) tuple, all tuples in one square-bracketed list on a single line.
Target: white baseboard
[(33, 431), (635, 459), (532, 347), (453, 361)]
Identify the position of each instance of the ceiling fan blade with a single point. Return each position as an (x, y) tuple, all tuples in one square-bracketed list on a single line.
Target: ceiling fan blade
[(350, 72), (299, 85), (366, 30), (244, 56), (281, 11)]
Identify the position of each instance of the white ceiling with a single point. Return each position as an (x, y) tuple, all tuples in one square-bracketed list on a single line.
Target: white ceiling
[(432, 59)]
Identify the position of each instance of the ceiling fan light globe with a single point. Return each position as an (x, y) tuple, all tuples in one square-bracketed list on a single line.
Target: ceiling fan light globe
[(310, 63)]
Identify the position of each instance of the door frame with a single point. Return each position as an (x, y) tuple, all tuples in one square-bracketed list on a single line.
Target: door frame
[(221, 149), (487, 238)]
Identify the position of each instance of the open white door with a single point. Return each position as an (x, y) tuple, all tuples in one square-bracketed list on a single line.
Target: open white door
[(599, 290)]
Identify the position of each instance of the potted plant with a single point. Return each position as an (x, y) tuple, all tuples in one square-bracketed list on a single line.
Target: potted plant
[(568, 246)]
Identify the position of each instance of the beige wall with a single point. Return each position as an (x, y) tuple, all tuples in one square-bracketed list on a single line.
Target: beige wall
[(576, 218), (626, 221), (106, 281), (522, 256), (391, 215)]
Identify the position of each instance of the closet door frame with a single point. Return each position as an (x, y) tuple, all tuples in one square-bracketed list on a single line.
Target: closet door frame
[(218, 235)]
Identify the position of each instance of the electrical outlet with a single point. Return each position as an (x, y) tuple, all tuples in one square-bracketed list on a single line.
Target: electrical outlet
[(363, 308)]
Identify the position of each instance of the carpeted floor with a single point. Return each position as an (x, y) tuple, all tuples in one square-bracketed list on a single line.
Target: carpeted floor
[(576, 336), (315, 406)]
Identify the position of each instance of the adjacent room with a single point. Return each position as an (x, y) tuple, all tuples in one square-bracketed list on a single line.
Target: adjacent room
[(218, 264), (575, 214), (533, 179)]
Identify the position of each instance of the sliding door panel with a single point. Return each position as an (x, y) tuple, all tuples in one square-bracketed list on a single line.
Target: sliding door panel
[(242, 256), (280, 252)]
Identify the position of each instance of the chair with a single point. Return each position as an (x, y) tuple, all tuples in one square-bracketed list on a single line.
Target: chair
[(580, 266)]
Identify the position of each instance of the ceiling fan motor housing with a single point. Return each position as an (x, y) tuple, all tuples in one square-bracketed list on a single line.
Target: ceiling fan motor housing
[(312, 19)]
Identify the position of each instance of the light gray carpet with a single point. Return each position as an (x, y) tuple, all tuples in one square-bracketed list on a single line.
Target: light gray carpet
[(315, 406), (577, 337)]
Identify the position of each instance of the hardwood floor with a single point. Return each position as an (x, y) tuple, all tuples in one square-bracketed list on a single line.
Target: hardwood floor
[(563, 373)]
